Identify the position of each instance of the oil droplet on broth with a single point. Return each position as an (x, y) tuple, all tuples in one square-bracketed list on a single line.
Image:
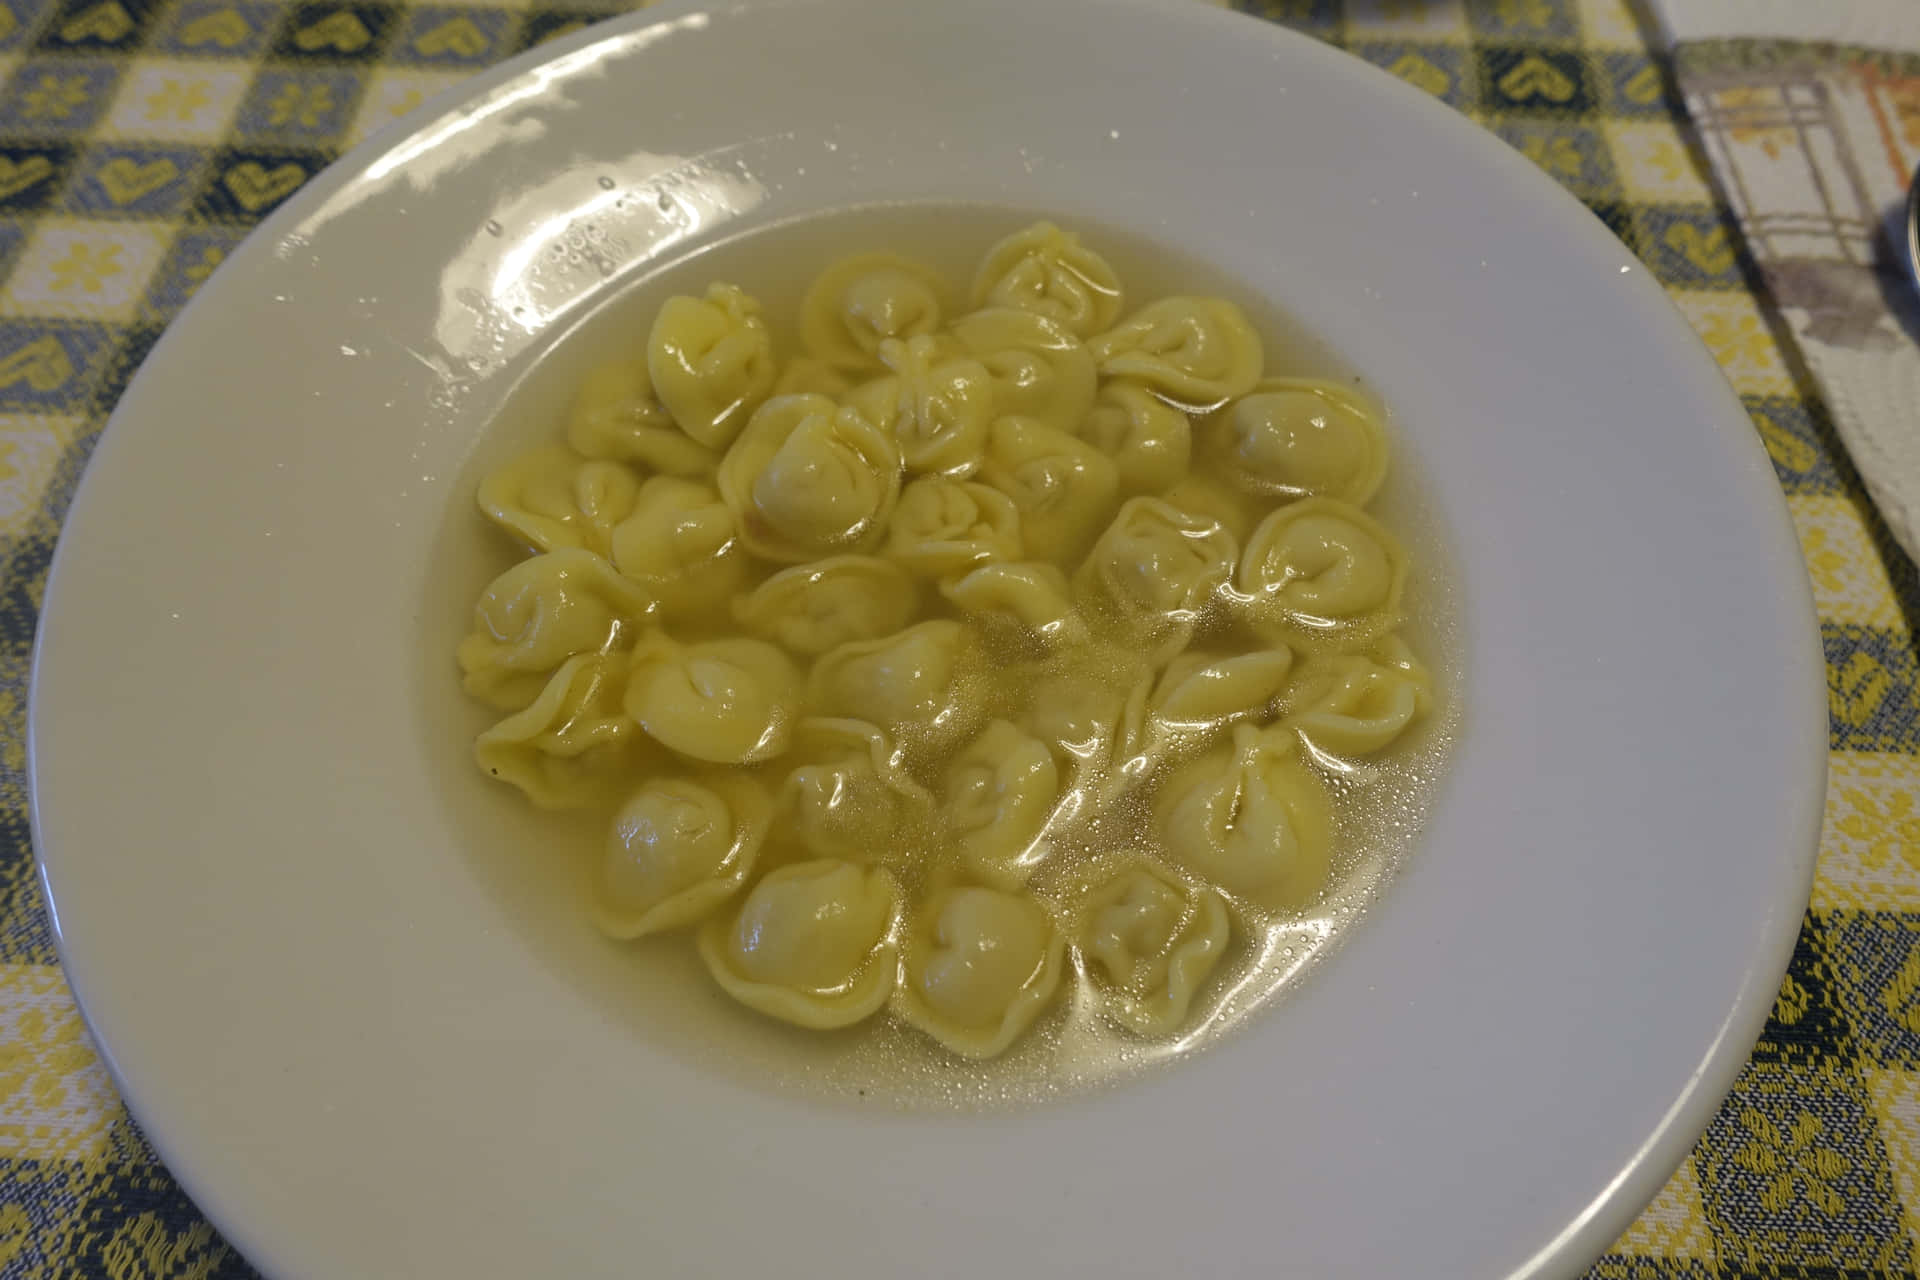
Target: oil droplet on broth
[(658, 987)]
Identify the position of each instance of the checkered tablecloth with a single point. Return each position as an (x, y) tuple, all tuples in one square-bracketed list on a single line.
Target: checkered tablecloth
[(140, 139)]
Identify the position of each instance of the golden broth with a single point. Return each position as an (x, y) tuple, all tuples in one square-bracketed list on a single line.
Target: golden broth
[(538, 864)]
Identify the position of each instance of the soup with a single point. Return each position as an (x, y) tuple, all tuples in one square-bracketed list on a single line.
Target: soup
[(1003, 681)]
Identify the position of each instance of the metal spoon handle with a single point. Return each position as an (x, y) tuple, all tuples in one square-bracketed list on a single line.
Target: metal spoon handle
[(1913, 226)]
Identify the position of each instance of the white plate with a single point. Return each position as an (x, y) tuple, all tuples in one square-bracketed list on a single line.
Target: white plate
[(337, 1031)]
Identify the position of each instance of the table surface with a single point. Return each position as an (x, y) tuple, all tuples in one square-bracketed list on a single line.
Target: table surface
[(141, 139)]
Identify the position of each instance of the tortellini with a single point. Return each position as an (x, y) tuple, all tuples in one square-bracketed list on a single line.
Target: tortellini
[(1358, 704), (946, 527), (981, 964), (538, 614), (813, 608), (1204, 689), (1236, 512), (1048, 271), (550, 499), (1075, 701), (813, 944), (881, 403), (1149, 440), (723, 701), (1039, 370), (573, 742), (1031, 596), (1090, 704), (680, 846), (920, 684), (1155, 569), (1153, 941), (617, 416), (914, 663), (1300, 438), (859, 303), (1199, 352), (1323, 573), (1063, 487), (808, 479), (1001, 791), (711, 362), (803, 375), (681, 546), (942, 406), (1198, 694), (848, 794), (1251, 817)]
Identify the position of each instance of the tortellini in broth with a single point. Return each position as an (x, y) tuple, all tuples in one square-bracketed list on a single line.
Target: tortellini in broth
[(813, 944), (1357, 704), (538, 614), (1001, 792), (861, 302), (1038, 369), (1300, 438), (1031, 598), (1063, 487), (680, 846), (1198, 694), (988, 672), (1232, 509), (681, 546), (1155, 570), (920, 684), (1200, 352), (981, 965), (810, 609), (1324, 574), (1048, 271), (573, 744), (729, 701), (616, 416), (946, 527), (1149, 440), (550, 499), (849, 794), (1152, 941), (942, 406), (711, 362), (804, 375), (1251, 817), (808, 479)]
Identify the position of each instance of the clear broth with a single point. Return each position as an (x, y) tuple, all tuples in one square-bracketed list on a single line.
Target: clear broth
[(537, 865)]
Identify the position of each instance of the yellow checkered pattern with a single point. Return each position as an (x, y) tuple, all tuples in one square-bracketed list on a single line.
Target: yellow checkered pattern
[(140, 139)]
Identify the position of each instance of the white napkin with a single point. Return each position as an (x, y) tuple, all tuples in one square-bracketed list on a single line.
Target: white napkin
[(1809, 111)]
